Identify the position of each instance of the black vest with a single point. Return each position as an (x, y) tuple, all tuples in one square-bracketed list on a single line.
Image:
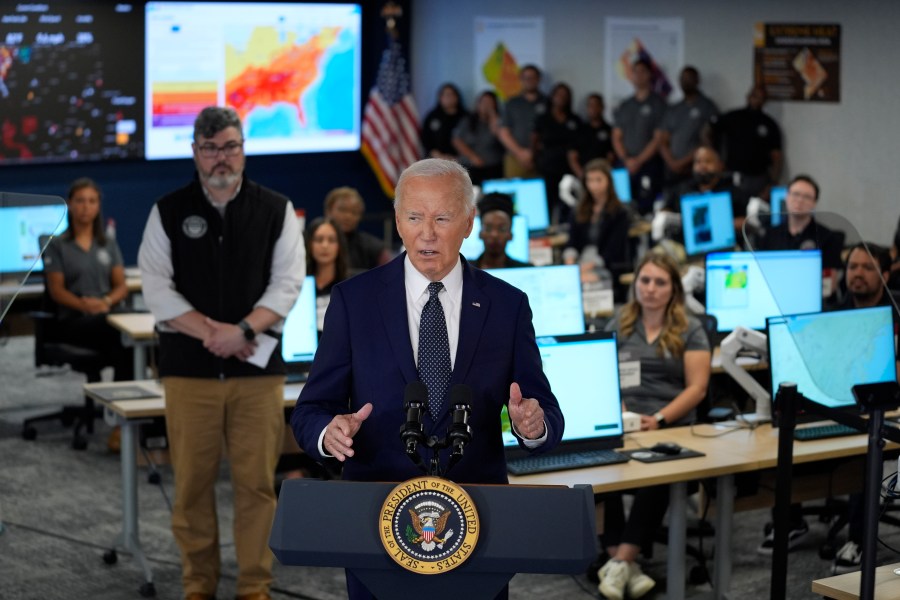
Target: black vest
[(222, 266)]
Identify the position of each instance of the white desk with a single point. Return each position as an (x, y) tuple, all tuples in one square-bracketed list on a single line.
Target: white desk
[(137, 331), (129, 414)]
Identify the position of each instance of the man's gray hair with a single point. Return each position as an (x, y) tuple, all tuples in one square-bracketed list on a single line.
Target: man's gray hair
[(214, 119), (439, 167)]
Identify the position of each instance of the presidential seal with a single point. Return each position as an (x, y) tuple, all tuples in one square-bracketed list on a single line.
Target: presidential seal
[(428, 525)]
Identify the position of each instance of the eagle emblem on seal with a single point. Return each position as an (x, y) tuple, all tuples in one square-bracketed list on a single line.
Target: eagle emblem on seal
[(429, 520)]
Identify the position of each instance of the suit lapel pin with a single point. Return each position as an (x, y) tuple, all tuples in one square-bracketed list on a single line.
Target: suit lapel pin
[(476, 304)]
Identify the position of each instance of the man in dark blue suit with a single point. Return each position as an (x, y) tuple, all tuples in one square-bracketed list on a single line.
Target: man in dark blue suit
[(351, 408)]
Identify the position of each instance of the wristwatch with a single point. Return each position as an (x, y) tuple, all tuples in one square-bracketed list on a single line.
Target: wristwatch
[(249, 334), (660, 420)]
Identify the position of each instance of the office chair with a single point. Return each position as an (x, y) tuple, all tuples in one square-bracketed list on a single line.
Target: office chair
[(51, 350)]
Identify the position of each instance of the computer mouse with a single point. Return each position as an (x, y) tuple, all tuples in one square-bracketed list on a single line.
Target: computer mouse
[(670, 448)]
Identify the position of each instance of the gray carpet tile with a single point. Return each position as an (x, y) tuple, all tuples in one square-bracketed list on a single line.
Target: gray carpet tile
[(62, 510)]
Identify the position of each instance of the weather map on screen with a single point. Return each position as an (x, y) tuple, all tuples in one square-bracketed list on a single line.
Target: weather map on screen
[(70, 81), (290, 70)]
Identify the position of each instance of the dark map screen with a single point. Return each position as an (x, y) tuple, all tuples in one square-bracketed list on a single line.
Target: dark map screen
[(71, 81)]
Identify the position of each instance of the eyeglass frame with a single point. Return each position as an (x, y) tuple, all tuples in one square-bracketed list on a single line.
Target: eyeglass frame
[(229, 149)]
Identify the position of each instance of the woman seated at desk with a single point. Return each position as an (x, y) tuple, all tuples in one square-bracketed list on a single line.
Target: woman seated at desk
[(86, 279), (598, 232), (326, 259), (668, 354)]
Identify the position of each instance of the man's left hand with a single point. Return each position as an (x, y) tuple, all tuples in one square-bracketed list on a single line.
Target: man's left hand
[(526, 414), (226, 340)]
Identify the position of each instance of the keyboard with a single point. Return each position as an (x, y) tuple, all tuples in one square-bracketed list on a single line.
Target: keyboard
[(560, 462), (819, 432)]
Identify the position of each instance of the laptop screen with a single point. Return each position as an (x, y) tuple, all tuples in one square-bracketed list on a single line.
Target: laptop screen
[(776, 204), (622, 183), (21, 229), (708, 222), (517, 248), (739, 286), (300, 338), (554, 294), (529, 198), (583, 371), (826, 354)]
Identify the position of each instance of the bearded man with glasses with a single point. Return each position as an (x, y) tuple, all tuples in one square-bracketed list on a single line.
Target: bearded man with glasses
[(222, 261)]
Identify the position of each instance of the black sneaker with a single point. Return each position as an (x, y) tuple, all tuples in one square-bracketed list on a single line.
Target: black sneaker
[(847, 559), (795, 536)]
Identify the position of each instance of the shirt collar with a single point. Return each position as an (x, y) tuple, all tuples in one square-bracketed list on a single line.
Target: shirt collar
[(417, 284)]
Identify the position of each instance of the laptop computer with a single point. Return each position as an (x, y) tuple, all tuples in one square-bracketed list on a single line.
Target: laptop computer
[(826, 354), (707, 221), (584, 375), (300, 338)]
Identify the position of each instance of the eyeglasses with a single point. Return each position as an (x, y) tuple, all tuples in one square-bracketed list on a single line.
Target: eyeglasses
[(212, 151)]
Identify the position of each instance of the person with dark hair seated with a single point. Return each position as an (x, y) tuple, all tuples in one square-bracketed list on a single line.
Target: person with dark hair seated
[(345, 206), (86, 279), (598, 231), (496, 212), (326, 258)]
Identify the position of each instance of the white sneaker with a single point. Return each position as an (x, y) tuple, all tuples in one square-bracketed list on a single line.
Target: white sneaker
[(614, 576), (639, 583), (847, 559)]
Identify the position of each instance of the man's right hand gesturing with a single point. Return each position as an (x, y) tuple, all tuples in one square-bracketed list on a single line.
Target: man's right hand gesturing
[(338, 438)]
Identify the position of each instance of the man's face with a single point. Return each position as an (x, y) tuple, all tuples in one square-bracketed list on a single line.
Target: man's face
[(346, 212), (642, 76), (496, 231), (706, 162), (756, 98), (530, 80), (863, 277), (801, 198), (594, 108), (689, 81), (433, 220), (220, 159)]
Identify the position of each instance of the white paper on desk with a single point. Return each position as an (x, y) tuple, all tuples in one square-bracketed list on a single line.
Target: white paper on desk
[(630, 374), (264, 345)]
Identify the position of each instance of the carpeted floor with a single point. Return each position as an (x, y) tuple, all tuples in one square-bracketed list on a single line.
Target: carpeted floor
[(62, 509)]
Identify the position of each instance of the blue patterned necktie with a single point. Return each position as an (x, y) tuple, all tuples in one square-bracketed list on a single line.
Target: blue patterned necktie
[(434, 351)]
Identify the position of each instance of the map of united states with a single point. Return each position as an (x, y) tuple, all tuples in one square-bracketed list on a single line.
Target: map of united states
[(273, 68)]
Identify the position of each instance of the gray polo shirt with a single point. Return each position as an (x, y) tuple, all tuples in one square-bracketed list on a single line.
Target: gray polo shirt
[(85, 273), (639, 121), (685, 121), (519, 115), (661, 377)]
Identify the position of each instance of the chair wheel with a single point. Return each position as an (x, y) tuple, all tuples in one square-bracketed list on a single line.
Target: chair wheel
[(827, 551), (154, 478), (147, 589), (29, 433), (110, 557), (79, 443), (699, 575)]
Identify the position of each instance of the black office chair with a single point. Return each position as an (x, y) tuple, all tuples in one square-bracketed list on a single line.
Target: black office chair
[(51, 350)]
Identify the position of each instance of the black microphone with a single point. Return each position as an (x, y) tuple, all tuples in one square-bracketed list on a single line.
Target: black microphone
[(412, 432), (460, 432)]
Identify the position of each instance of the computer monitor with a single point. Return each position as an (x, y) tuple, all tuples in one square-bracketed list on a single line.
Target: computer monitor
[(583, 371), (300, 337), (21, 230), (707, 221), (744, 288), (554, 294), (621, 180), (529, 198), (826, 354), (517, 248), (776, 204)]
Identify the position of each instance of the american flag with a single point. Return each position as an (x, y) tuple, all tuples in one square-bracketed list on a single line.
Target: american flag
[(390, 130)]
